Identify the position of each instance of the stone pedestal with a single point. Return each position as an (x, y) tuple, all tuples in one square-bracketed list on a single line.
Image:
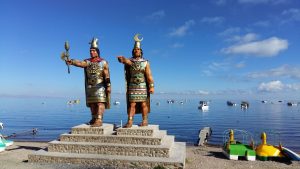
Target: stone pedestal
[(135, 147)]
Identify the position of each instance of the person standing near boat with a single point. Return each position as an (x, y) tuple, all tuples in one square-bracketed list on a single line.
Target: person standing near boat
[(139, 84), (97, 83)]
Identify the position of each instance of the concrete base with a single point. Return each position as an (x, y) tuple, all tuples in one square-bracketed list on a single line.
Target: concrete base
[(136, 147)]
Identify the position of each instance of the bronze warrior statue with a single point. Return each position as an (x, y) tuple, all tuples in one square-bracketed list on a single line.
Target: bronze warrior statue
[(139, 83), (97, 83)]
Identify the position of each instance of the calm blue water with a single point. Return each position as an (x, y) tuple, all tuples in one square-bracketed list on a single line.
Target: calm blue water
[(53, 117)]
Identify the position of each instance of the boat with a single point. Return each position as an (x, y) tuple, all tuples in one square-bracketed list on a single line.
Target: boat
[(266, 151), (233, 149), (244, 105), (264, 101), (170, 101), (203, 105), (116, 103), (230, 103), (291, 104), (2, 146), (3, 142), (290, 154), (77, 101)]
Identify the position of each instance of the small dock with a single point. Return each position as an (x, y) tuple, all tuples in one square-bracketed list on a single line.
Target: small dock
[(203, 135)]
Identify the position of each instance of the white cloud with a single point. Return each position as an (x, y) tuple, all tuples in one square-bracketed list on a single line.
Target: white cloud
[(218, 66), (213, 20), (290, 15), (224, 66), (220, 2), (253, 1), (232, 92), (265, 48), (157, 15), (240, 65), (202, 92), (262, 1), (182, 30), (282, 71), (273, 2), (276, 86), (243, 39), (230, 31), (262, 23), (291, 11), (177, 45), (206, 73), (272, 86), (295, 87)]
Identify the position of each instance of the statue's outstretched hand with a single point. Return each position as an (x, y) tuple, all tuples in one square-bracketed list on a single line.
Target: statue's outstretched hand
[(121, 59)]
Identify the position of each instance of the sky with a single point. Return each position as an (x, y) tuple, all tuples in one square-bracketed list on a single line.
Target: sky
[(209, 49)]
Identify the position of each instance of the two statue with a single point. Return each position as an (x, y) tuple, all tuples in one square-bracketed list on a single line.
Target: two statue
[(139, 83)]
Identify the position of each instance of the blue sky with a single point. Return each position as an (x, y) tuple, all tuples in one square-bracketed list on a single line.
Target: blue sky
[(213, 49)]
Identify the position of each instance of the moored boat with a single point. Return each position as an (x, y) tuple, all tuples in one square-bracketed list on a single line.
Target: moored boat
[(230, 103), (233, 149), (203, 105), (170, 101), (291, 104), (117, 103), (244, 105)]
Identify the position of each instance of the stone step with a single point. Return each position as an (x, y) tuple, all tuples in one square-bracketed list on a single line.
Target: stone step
[(162, 150), (175, 161), (156, 139), (136, 130), (87, 129)]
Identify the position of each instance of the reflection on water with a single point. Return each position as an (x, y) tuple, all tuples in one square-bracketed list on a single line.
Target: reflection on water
[(53, 117)]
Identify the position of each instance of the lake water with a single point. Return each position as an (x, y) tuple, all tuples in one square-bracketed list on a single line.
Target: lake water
[(53, 117)]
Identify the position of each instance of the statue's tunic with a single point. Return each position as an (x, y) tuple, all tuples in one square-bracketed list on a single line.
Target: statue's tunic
[(137, 82), (94, 81)]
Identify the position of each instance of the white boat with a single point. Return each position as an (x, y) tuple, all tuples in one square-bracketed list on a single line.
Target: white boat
[(203, 105), (244, 105), (117, 103), (230, 103), (291, 154), (73, 102), (291, 104), (170, 101), (76, 101)]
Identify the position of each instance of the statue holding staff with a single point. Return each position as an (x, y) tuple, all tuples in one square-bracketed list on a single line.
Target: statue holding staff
[(97, 82)]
